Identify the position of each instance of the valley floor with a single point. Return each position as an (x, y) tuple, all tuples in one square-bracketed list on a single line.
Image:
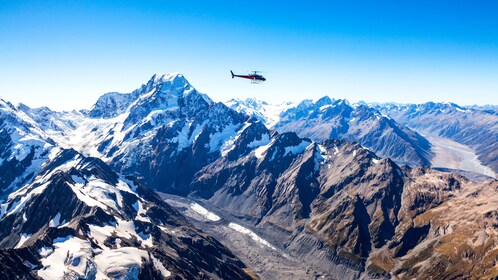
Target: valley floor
[(453, 155), (262, 256)]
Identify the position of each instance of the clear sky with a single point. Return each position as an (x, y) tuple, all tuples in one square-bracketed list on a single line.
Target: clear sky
[(65, 54)]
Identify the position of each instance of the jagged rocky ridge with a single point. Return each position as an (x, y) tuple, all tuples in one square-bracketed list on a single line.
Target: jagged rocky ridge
[(80, 220)]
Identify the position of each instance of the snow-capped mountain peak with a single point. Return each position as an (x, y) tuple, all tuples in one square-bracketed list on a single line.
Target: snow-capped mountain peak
[(324, 101), (160, 86), (173, 79)]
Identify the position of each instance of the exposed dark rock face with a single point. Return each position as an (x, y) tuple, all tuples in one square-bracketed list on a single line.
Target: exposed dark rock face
[(310, 192), (16, 264), (170, 165)]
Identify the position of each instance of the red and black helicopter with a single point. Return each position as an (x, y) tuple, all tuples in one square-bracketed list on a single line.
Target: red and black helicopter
[(254, 77)]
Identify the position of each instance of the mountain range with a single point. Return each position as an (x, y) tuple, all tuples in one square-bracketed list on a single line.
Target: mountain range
[(443, 135), (342, 190), (337, 119)]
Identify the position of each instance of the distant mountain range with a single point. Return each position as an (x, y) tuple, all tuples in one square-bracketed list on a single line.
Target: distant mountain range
[(397, 131), (337, 187), (337, 119)]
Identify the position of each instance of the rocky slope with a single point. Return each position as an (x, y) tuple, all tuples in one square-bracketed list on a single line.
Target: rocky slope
[(447, 222), (354, 214)]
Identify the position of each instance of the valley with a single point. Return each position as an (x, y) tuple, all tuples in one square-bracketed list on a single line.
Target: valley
[(266, 258), (453, 155)]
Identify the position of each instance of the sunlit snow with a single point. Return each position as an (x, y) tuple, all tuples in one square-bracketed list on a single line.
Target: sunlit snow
[(204, 212), (251, 234)]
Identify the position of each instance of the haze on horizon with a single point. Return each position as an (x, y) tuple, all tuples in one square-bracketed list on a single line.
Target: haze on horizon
[(65, 55)]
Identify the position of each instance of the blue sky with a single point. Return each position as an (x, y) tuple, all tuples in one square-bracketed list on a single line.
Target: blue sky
[(64, 54)]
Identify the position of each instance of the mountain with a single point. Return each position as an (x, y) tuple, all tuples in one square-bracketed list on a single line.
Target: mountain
[(80, 220), (164, 132), (337, 119), (113, 104), (354, 214), (477, 129)]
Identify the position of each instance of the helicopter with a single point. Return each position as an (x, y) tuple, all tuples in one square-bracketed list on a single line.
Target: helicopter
[(254, 77)]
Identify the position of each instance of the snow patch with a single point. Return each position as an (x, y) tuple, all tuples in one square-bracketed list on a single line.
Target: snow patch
[(182, 138), (87, 199), (100, 234), (125, 261), (141, 212), (24, 237), (55, 222), (45, 251), (262, 149), (204, 212), (71, 256), (321, 156), (295, 150), (160, 267), (229, 143), (325, 107), (251, 234), (265, 139), (221, 140)]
